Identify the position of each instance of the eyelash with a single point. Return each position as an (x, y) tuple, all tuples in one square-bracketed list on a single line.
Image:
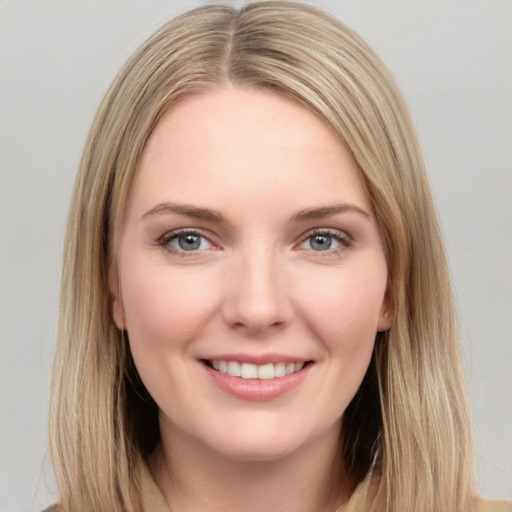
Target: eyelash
[(166, 240), (343, 239)]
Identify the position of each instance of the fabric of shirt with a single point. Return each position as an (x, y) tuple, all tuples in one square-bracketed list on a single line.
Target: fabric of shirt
[(153, 500)]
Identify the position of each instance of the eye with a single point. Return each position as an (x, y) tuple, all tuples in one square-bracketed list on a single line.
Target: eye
[(185, 241), (321, 242), (325, 240)]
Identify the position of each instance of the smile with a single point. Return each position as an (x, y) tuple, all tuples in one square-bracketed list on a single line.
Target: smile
[(264, 378), (253, 371)]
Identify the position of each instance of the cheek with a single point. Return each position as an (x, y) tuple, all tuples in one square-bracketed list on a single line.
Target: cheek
[(165, 312), (166, 307), (344, 312), (344, 316)]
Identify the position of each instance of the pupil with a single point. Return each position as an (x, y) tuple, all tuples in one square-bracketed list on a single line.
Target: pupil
[(321, 242), (189, 242)]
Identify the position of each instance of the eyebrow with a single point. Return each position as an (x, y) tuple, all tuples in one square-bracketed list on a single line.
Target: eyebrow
[(185, 209), (196, 212), (327, 211)]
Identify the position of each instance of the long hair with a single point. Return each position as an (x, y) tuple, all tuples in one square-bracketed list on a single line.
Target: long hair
[(408, 424)]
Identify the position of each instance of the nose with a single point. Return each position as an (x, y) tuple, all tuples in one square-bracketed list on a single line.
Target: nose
[(257, 302)]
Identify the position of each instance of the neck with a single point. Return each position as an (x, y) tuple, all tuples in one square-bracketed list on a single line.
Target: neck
[(194, 478)]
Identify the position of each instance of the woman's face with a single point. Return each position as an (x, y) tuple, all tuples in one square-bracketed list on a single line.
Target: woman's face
[(250, 275)]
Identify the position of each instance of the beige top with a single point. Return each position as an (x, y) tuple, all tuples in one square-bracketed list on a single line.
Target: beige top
[(153, 500)]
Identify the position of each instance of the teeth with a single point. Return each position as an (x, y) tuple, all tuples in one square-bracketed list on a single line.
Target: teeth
[(266, 371), (253, 371), (233, 369), (248, 371), (280, 370)]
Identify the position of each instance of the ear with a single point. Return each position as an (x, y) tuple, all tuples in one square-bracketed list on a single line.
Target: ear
[(386, 314), (114, 287)]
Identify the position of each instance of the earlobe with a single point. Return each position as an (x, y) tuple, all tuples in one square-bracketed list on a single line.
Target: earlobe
[(116, 298), (118, 313), (385, 321), (386, 315)]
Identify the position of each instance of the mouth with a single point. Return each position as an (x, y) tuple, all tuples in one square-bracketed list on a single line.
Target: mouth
[(267, 371)]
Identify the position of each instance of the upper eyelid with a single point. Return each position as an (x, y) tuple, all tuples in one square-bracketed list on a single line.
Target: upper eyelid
[(185, 231), (328, 231), (175, 233)]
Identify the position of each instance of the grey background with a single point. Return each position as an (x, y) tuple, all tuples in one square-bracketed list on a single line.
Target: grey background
[(453, 60)]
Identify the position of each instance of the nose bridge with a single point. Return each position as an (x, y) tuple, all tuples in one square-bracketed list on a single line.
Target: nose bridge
[(257, 293)]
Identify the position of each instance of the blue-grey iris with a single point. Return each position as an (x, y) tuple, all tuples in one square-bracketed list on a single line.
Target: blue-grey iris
[(321, 242), (189, 242)]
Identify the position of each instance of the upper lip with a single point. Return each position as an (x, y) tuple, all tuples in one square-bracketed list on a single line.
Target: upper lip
[(257, 359)]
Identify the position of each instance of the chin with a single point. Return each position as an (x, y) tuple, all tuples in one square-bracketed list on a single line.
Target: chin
[(261, 443), (268, 451)]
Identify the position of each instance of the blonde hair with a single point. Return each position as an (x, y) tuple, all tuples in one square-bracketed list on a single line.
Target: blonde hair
[(408, 424)]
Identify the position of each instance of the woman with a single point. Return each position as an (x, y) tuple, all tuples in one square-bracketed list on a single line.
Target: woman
[(255, 295)]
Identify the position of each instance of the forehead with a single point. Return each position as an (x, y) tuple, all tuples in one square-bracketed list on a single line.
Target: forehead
[(234, 143)]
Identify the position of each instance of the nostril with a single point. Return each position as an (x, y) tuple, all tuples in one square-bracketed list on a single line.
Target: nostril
[(256, 327), (257, 300)]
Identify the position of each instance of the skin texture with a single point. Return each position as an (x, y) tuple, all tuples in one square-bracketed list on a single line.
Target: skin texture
[(256, 283)]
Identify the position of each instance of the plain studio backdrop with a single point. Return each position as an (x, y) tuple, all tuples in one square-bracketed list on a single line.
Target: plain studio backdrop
[(453, 61)]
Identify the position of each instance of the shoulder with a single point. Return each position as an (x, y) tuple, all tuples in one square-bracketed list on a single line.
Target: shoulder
[(493, 506)]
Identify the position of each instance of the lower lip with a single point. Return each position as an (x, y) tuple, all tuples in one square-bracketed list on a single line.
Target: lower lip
[(258, 390)]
